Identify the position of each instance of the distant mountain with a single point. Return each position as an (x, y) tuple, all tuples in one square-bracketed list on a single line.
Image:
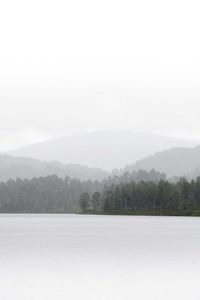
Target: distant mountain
[(173, 162), (20, 167), (107, 149)]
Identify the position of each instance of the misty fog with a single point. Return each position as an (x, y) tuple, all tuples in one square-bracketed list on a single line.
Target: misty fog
[(99, 150)]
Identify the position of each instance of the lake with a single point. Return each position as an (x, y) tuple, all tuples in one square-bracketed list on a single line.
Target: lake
[(77, 257)]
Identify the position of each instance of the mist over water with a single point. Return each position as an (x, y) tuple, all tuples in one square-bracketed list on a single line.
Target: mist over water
[(80, 257)]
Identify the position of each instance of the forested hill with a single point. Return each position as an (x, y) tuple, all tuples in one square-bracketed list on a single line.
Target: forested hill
[(21, 167), (173, 162), (52, 194)]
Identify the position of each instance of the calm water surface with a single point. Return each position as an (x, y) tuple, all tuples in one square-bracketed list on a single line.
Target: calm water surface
[(59, 257)]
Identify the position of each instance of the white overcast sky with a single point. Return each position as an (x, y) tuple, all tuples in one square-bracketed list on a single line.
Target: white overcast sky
[(71, 66)]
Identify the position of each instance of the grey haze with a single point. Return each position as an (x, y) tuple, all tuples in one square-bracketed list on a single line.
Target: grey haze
[(107, 149)]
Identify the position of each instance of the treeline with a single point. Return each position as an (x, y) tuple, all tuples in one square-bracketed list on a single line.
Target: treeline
[(161, 198), (49, 194), (52, 194)]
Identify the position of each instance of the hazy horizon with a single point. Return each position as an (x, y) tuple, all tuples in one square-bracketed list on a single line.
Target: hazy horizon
[(105, 149), (190, 142), (23, 124), (76, 66), (99, 173)]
